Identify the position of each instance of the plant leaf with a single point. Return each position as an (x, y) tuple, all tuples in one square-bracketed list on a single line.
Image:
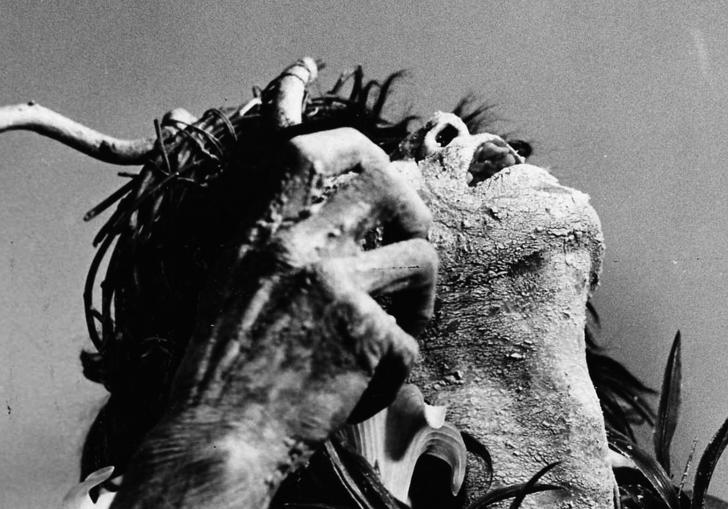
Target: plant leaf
[(650, 468), (78, 497), (507, 492), (686, 470), (669, 407), (519, 491), (395, 439), (359, 478), (603, 366), (474, 446), (310, 506), (530, 484), (636, 408), (621, 394), (707, 464), (592, 312), (614, 414)]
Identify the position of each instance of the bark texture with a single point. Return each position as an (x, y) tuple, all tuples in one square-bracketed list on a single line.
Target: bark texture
[(519, 254)]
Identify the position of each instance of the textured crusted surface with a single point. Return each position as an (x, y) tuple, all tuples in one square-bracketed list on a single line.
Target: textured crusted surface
[(519, 254)]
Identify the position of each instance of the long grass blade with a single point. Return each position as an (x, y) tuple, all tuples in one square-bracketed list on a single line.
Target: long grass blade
[(592, 311), (530, 484), (622, 395), (473, 445), (689, 462), (519, 491), (669, 408), (604, 366), (303, 505), (111, 199), (650, 468), (707, 464), (506, 492), (358, 478), (614, 415)]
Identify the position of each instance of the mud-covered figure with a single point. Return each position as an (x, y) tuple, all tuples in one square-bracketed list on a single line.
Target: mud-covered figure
[(238, 327), (519, 255)]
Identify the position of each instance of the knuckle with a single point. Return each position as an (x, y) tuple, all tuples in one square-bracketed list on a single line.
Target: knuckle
[(302, 152), (334, 271), (372, 155), (337, 150), (409, 350), (288, 250)]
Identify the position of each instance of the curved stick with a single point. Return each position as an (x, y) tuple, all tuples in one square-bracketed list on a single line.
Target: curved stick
[(34, 117), (282, 101), (283, 97)]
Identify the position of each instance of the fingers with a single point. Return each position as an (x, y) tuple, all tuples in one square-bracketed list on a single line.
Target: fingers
[(375, 197), (389, 375), (384, 349), (395, 267), (406, 269), (337, 151), (330, 238)]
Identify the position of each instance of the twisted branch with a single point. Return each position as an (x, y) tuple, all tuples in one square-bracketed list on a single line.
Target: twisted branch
[(283, 98), (282, 107), (32, 116)]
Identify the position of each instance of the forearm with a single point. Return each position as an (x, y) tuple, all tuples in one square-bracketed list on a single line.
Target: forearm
[(225, 463)]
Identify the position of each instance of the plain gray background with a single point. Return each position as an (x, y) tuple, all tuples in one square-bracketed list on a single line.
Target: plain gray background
[(625, 100)]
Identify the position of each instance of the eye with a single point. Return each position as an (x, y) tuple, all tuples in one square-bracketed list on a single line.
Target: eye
[(446, 134)]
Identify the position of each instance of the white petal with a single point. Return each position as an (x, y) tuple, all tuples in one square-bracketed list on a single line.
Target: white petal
[(78, 497)]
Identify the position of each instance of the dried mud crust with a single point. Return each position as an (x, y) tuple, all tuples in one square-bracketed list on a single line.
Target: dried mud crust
[(519, 254)]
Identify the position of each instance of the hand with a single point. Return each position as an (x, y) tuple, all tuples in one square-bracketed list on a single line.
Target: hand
[(299, 345)]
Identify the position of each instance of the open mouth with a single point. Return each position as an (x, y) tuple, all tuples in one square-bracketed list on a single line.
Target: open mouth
[(489, 159)]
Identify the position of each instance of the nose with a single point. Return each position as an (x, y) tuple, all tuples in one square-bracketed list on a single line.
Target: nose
[(440, 130), (489, 158)]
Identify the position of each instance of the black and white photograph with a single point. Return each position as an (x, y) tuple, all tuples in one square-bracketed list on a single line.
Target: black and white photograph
[(368, 254)]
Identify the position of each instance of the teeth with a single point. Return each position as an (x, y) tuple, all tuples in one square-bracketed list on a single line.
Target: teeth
[(394, 439)]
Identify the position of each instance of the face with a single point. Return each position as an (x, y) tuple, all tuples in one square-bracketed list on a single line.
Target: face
[(519, 254), (480, 191)]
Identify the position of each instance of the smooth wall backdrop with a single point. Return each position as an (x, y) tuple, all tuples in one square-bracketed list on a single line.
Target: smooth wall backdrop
[(624, 100)]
